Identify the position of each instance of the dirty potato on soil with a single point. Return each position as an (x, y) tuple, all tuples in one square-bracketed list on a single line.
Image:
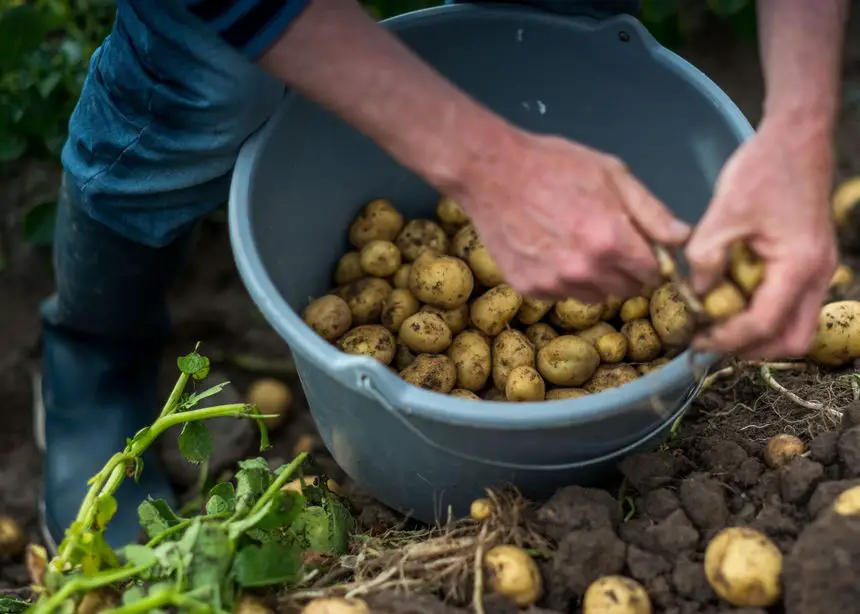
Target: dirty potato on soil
[(470, 354), (12, 539), (434, 372), (782, 448), (492, 311), (378, 220), (420, 235), (372, 340), (616, 595), (336, 605), (567, 361), (481, 509), (441, 281), (837, 338), (525, 384), (512, 573), (329, 316), (744, 567)]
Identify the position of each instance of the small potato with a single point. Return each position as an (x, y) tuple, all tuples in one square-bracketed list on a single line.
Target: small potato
[(484, 266), (12, 539), (567, 361), (380, 258), (396, 307), (470, 353), (457, 319), (745, 268), (533, 310), (492, 311), (540, 334), (336, 605), (559, 394), (610, 376), (419, 235), (635, 308), (843, 277), (462, 393), (348, 269), (329, 316), (780, 449), (671, 317), (724, 301), (845, 197), (365, 298), (611, 307), (371, 340), (379, 220), (400, 280), (525, 384), (744, 567), (577, 315), (511, 349), (848, 502), (495, 395), (425, 333), (464, 242), (403, 356), (616, 595), (643, 341), (441, 281), (272, 397), (593, 333), (435, 372), (481, 509), (249, 605), (612, 347), (450, 213), (837, 338), (647, 367), (512, 573), (97, 601)]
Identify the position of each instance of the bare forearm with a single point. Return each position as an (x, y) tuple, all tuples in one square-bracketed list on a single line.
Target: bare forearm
[(341, 58)]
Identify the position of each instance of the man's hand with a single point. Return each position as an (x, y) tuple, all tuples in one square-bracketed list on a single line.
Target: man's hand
[(563, 220), (773, 193)]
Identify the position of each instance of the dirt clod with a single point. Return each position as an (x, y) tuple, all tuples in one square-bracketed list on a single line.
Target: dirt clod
[(584, 556), (849, 450), (724, 457), (650, 470), (822, 448), (704, 502), (798, 479), (675, 534), (577, 509), (658, 504)]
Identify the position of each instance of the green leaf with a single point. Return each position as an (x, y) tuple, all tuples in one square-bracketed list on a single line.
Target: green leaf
[(195, 442), (156, 517), (195, 397), (286, 507), (133, 595), (195, 365), (323, 528), (252, 480), (105, 509), (11, 147), (138, 556), (211, 558), (222, 499), (38, 223), (271, 563), (238, 527), (8, 605), (22, 29)]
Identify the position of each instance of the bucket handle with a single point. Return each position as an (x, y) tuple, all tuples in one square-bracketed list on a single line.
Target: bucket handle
[(365, 385)]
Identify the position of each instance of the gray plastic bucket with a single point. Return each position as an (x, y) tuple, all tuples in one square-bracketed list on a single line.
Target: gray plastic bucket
[(300, 181)]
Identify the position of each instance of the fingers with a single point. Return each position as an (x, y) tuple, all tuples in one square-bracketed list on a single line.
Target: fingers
[(708, 248), (655, 220)]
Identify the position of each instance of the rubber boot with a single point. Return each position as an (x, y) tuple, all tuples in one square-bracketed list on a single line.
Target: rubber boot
[(102, 342)]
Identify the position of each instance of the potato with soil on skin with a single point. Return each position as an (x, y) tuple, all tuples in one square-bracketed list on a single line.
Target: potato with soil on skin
[(450, 213), (377, 220), (576, 315), (612, 347), (435, 372), (744, 567), (396, 307), (837, 338), (567, 361), (403, 356), (372, 340), (671, 318), (380, 258), (559, 394), (329, 316), (457, 318), (464, 242), (525, 385), (782, 448), (848, 502), (348, 269), (496, 395), (611, 307), (484, 266), (616, 595), (610, 376), (494, 309), (462, 393), (400, 279), (12, 539), (512, 573), (419, 235), (442, 281), (643, 341), (540, 334), (745, 268), (425, 333), (272, 397), (511, 349), (470, 353), (724, 301), (593, 333), (365, 298), (481, 509), (533, 310), (649, 367), (635, 308), (336, 605)]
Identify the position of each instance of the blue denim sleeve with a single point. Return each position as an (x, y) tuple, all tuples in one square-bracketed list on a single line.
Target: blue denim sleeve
[(250, 26)]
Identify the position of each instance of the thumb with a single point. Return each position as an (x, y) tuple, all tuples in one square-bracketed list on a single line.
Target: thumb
[(708, 249), (652, 218)]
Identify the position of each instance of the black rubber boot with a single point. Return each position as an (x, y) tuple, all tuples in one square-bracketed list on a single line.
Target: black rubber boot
[(102, 343)]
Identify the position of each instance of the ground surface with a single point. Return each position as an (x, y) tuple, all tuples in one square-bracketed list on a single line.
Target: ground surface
[(715, 476)]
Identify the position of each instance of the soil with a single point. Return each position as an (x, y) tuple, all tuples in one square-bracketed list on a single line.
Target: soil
[(654, 529)]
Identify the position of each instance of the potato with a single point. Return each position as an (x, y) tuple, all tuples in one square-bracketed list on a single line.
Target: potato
[(643, 341), (567, 361), (525, 384), (611, 307), (425, 333), (540, 334), (272, 397), (743, 567), (837, 338), (512, 573), (577, 315), (434, 372), (496, 395), (593, 333), (616, 595), (96, 601), (251, 605), (451, 213), (533, 310), (782, 448), (647, 367), (464, 241), (848, 502), (371, 340), (308, 480), (465, 394), (419, 235), (484, 266), (336, 605), (378, 220), (306, 444), (12, 539), (457, 319), (348, 269), (403, 356), (400, 279), (635, 308), (441, 281), (843, 276), (558, 394), (724, 301), (365, 298), (494, 309), (610, 376), (481, 509), (380, 258), (511, 349), (329, 316), (470, 353), (846, 195), (671, 318), (396, 307), (745, 268), (612, 347)]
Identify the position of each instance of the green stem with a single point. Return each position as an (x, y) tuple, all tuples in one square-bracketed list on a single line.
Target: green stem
[(236, 410), (173, 399), (182, 525), (276, 486), (83, 584), (160, 600)]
